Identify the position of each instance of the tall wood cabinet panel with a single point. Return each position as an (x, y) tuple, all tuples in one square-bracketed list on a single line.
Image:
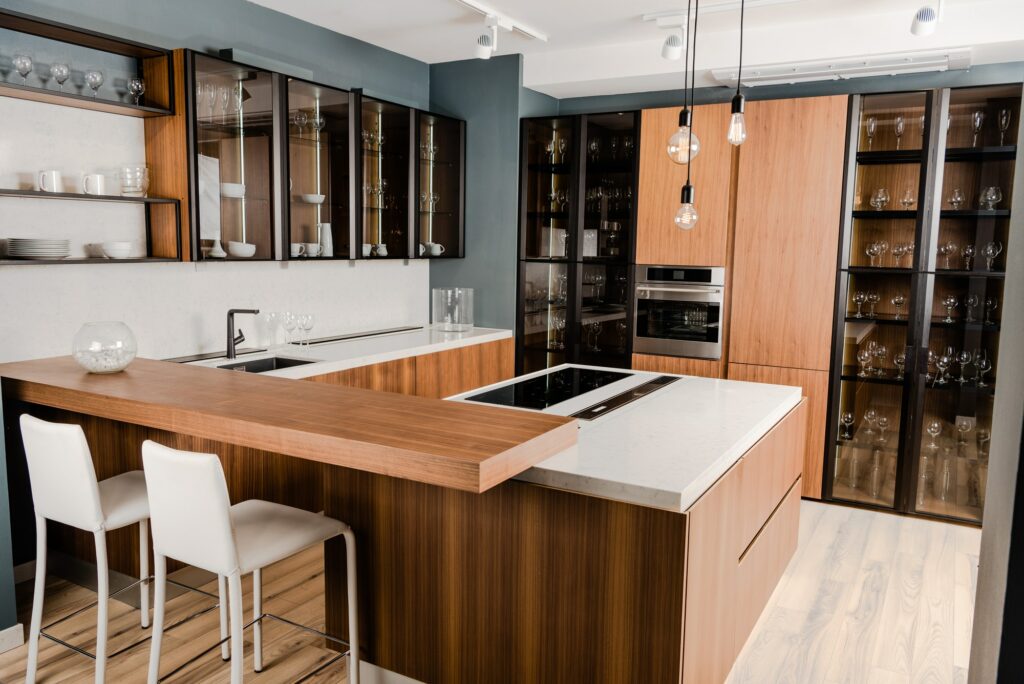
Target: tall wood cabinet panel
[(658, 240), (443, 374), (815, 386), (788, 201)]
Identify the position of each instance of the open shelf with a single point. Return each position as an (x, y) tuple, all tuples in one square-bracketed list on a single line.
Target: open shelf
[(954, 273), (881, 319), (888, 378), (557, 169), (974, 213), (81, 197), (69, 99), (549, 215), (993, 153), (885, 214), (890, 157), (879, 270), (83, 260)]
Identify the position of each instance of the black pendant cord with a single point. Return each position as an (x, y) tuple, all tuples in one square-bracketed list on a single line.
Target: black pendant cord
[(686, 59), (693, 82)]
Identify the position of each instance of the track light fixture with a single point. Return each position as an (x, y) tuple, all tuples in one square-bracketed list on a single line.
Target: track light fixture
[(926, 20), (486, 45), (672, 48)]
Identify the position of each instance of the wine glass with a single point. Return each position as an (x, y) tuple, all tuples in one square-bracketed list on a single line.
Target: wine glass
[(883, 425), (563, 143), (950, 301), (94, 79), (211, 99), (23, 63), (224, 97), (991, 304), (900, 361), (907, 200), (968, 252), (964, 358), (558, 324), (934, 429), (859, 297), (990, 251), (306, 322), (870, 126), (963, 426), (984, 436), (873, 250), (846, 419), (594, 149), (898, 252), (977, 122), (880, 199), (1004, 124), (873, 299), (864, 357), (881, 352), (928, 366), (983, 366), (898, 300), (289, 322), (899, 126), (943, 362), (947, 250), (136, 88), (970, 304), (61, 72), (956, 199), (870, 416), (991, 197), (593, 334)]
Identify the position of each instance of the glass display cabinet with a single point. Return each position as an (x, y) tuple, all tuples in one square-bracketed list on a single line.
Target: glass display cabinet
[(233, 134), (440, 186), (927, 207), (386, 171), (577, 216), (320, 223)]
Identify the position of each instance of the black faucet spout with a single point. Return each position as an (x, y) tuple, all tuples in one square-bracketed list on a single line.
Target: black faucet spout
[(232, 339)]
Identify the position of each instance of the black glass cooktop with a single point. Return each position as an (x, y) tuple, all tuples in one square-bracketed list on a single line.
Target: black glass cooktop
[(549, 389)]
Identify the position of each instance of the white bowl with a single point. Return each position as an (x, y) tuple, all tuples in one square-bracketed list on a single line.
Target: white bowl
[(241, 249), (313, 199), (236, 190), (117, 250)]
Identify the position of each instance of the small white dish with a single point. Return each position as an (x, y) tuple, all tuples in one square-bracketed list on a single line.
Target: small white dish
[(241, 249), (233, 190), (117, 250), (313, 198)]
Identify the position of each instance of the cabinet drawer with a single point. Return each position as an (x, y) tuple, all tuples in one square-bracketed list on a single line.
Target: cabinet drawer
[(768, 471), (761, 567)]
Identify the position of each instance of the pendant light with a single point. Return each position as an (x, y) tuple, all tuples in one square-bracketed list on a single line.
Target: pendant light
[(684, 145), (686, 217), (737, 132)]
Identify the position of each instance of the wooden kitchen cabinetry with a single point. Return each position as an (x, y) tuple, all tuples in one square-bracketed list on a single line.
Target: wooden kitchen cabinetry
[(705, 368)]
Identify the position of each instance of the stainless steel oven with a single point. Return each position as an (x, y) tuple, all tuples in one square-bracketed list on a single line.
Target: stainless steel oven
[(678, 311)]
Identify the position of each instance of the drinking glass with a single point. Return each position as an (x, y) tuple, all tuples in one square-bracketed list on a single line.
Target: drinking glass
[(306, 322), (984, 366), (977, 122), (1004, 124), (968, 252), (907, 200), (984, 436), (947, 250), (594, 149), (864, 357), (990, 251), (880, 199), (61, 72), (870, 126), (621, 328), (319, 121), (964, 359), (928, 366), (991, 304), (300, 119), (900, 361), (563, 143), (873, 250), (210, 91), (870, 416), (846, 419), (956, 199), (881, 353), (859, 298), (950, 301), (289, 322), (991, 197), (628, 146), (134, 181), (873, 299), (94, 79), (970, 304), (136, 88), (549, 149), (945, 483), (897, 253), (23, 63), (899, 126), (898, 301), (943, 362), (558, 324), (593, 334), (934, 429), (883, 425)]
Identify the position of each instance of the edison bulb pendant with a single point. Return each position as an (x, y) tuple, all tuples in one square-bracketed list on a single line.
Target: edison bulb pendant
[(686, 217), (684, 144)]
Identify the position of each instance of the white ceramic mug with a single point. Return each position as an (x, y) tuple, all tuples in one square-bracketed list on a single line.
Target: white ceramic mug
[(436, 249), (367, 249), (298, 249), (382, 250), (423, 248), (94, 184), (51, 181), (313, 249)]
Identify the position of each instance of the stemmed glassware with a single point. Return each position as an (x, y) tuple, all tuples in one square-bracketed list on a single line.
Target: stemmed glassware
[(23, 63), (870, 416), (864, 357), (136, 88), (947, 250), (880, 199), (898, 301), (289, 322), (907, 200), (964, 358), (943, 362), (899, 125), (934, 429), (873, 299), (967, 252), (94, 79), (970, 304), (883, 425), (873, 251), (984, 436), (881, 353), (990, 251), (991, 304), (977, 122), (991, 197), (983, 366), (1004, 124), (563, 143), (593, 329), (956, 199), (950, 302), (870, 127), (61, 72), (558, 324), (846, 420), (859, 297), (900, 361), (901, 250)]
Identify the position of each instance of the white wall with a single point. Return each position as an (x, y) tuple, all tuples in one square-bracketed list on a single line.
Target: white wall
[(173, 308)]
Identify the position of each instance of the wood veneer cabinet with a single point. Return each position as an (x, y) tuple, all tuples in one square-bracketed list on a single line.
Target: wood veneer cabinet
[(705, 368), (658, 240)]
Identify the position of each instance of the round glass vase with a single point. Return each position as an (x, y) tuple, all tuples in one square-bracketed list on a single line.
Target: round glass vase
[(452, 309), (104, 347)]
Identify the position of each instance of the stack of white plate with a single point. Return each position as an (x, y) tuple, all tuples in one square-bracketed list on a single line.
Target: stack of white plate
[(34, 248)]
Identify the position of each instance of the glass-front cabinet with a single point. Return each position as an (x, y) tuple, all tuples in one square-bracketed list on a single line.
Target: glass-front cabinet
[(386, 171), (919, 297), (233, 115), (577, 216), (440, 186), (319, 172)]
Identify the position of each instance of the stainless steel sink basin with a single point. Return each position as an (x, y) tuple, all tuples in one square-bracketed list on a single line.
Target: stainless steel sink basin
[(264, 365)]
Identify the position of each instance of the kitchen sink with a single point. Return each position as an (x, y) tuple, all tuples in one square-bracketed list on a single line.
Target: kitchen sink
[(265, 364)]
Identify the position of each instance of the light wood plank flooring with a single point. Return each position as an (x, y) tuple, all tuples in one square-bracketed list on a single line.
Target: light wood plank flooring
[(868, 598)]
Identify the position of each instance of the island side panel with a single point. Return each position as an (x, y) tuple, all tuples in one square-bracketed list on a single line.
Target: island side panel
[(519, 584)]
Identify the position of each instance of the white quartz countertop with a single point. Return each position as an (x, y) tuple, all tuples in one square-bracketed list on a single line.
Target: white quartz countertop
[(330, 357), (666, 449)]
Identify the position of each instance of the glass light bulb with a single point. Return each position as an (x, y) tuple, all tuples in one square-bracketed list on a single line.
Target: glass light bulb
[(683, 146), (686, 217), (737, 129)]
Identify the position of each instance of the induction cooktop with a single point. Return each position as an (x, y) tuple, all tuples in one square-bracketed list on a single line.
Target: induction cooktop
[(544, 391)]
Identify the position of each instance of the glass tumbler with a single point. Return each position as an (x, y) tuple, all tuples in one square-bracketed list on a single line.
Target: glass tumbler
[(452, 309), (134, 181)]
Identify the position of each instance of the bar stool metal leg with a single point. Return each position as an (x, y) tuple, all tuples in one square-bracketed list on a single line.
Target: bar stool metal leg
[(235, 605), (158, 618), (353, 613), (144, 571), (222, 592), (102, 595), (257, 623), (37, 601)]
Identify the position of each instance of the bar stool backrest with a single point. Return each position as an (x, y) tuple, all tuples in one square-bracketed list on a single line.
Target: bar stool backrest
[(61, 473), (189, 508)]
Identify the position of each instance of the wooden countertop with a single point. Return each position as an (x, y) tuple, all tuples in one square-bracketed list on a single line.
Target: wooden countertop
[(450, 444)]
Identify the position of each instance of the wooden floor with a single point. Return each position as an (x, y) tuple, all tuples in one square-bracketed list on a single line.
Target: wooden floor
[(868, 598)]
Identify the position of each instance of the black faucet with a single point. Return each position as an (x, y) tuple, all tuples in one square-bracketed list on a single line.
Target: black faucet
[(232, 340)]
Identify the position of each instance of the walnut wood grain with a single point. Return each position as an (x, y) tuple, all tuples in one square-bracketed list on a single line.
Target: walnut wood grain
[(658, 240), (815, 387), (167, 159), (443, 443), (705, 368), (454, 371), (790, 185), (390, 376)]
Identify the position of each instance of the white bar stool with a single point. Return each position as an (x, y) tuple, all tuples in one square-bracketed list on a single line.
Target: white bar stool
[(194, 522), (64, 489)]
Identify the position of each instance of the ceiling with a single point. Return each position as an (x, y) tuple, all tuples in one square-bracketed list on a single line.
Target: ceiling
[(598, 47)]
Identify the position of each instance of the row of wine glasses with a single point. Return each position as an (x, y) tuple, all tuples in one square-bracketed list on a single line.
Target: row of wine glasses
[(312, 119), (877, 249), (290, 323), (874, 353), (596, 280), (428, 151), (943, 361), (611, 148), (60, 71), (557, 148), (428, 201), (373, 139), (899, 127), (938, 473), (869, 297), (873, 418), (988, 199), (880, 199), (609, 198), (225, 97), (559, 200), (990, 251)]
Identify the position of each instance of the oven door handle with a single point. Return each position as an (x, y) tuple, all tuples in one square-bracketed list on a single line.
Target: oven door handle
[(680, 290)]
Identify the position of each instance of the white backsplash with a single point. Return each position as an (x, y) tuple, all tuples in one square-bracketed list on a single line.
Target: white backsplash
[(173, 308)]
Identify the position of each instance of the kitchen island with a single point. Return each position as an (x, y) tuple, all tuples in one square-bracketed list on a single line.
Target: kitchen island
[(580, 570)]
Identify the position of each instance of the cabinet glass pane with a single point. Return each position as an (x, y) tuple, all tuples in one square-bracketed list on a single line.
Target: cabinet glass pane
[(318, 167), (385, 153), (548, 190), (603, 329), (234, 139), (610, 186), (440, 186), (545, 293), (892, 122)]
